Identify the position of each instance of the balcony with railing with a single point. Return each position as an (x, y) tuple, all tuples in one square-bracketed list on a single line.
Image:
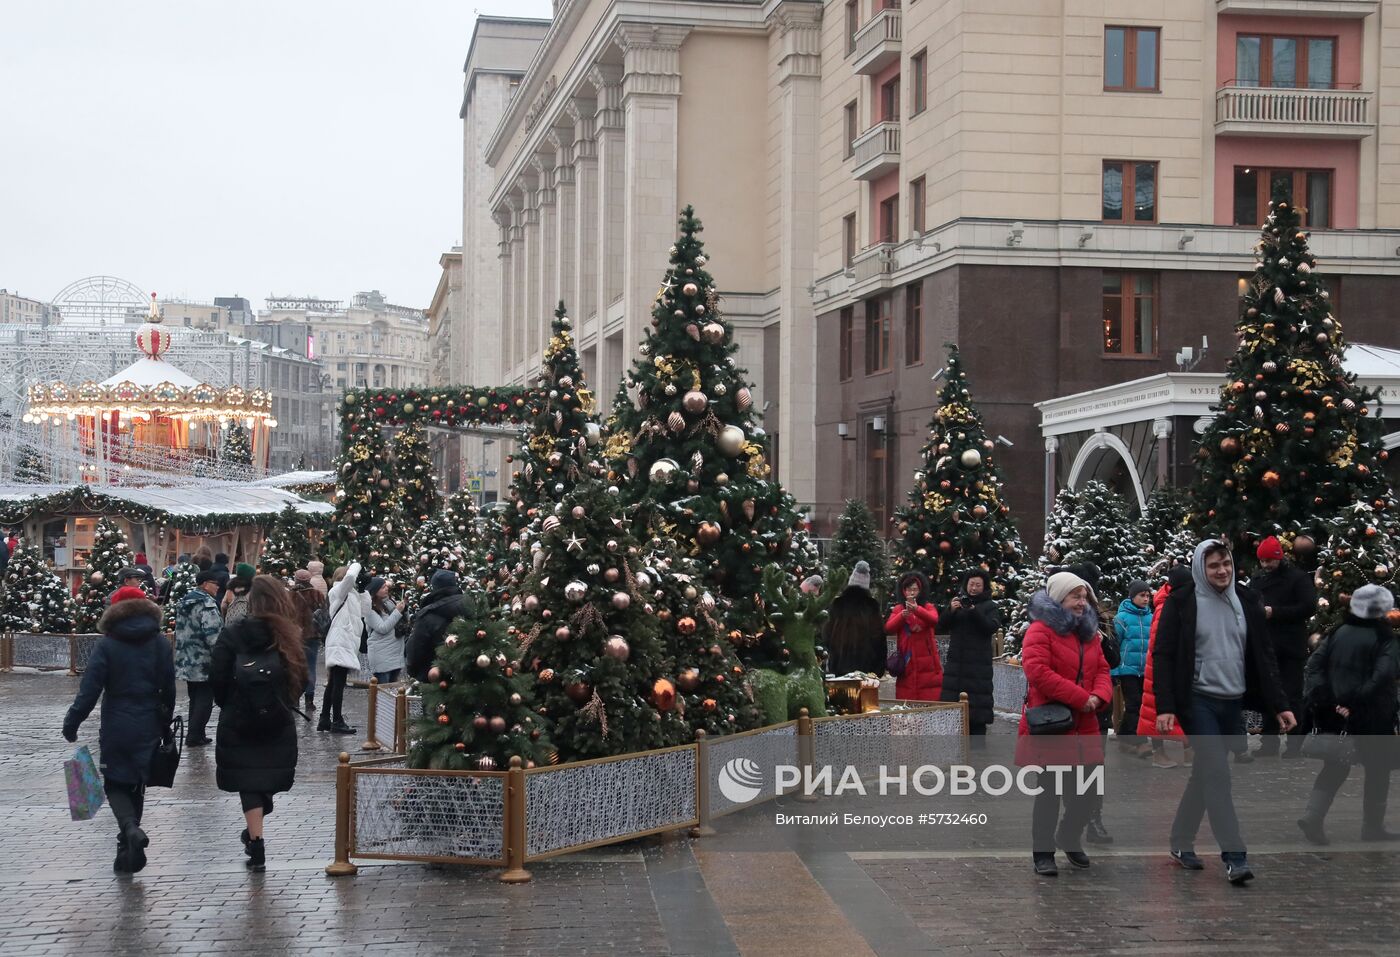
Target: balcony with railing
[(1277, 111), (1334, 9), (876, 151), (878, 42), (871, 262)]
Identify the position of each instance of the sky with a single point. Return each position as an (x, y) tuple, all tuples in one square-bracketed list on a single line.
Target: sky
[(210, 148)]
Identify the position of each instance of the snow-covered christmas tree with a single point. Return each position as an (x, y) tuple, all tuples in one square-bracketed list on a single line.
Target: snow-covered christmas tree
[(857, 540), (182, 579), (1104, 533), (237, 450), (1360, 550), (35, 599), (110, 554), (288, 544)]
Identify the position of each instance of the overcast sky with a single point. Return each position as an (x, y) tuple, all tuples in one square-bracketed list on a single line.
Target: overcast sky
[(249, 147)]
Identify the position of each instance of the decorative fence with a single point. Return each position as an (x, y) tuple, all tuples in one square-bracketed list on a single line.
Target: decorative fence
[(387, 811), (1008, 686), (46, 652)]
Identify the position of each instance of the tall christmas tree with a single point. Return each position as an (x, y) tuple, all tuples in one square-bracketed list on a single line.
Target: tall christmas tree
[(237, 449), (1053, 549), (288, 544), (1164, 525), (955, 520), (34, 599), (182, 579), (1360, 550), (367, 525), (590, 635), (110, 554), (478, 708), (1104, 533), (30, 467), (690, 455), (1292, 445), (434, 547), (481, 540), (857, 540), (413, 463)]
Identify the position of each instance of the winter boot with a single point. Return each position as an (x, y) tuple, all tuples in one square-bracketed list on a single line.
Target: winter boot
[(122, 864), (1096, 833), (1373, 822), (340, 727), (325, 723), (310, 705), (136, 842), (257, 855), (1311, 821), (1045, 864)]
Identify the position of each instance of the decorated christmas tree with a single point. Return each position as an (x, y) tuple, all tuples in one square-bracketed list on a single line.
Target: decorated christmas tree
[(1292, 445), (30, 466), (1164, 525), (434, 547), (237, 450), (367, 525), (690, 454), (182, 579), (711, 683), (478, 708), (413, 463), (1360, 551), (857, 540), (589, 634), (34, 599), (955, 520), (110, 554), (482, 541), (1104, 533), (1053, 549), (288, 544)]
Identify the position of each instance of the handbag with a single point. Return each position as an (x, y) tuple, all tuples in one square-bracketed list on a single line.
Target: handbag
[(1052, 718), (1331, 748), (896, 662), (84, 785), (166, 759)]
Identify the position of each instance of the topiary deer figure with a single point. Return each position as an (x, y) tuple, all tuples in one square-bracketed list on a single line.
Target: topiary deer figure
[(781, 695)]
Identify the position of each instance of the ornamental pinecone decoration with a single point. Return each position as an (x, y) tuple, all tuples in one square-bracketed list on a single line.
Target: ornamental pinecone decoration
[(478, 708), (110, 554), (1292, 445), (955, 520), (35, 599), (690, 454)]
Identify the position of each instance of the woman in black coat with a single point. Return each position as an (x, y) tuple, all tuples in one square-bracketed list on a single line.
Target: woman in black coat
[(972, 621), (132, 669), (854, 634), (1350, 686), (258, 672)]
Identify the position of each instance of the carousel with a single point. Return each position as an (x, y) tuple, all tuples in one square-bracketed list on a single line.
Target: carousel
[(149, 422)]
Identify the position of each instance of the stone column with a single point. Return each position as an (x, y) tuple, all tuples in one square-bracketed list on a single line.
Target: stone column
[(517, 283), (1052, 448), (476, 364), (612, 200), (651, 102), (1162, 431), (547, 278), (535, 315), (564, 251), (586, 222), (796, 28)]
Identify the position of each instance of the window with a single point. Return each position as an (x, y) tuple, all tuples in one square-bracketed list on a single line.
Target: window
[(889, 100), (848, 240), (913, 324), (1289, 62), (918, 78), (1311, 189), (888, 222), (852, 25), (916, 205), (852, 127), (877, 334), (847, 336), (1129, 180), (1129, 313), (1130, 58)]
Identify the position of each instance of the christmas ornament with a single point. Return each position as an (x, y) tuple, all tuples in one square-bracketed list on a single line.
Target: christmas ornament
[(616, 647), (663, 694), (663, 470), (971, 458), (695, 402), (731, 440)]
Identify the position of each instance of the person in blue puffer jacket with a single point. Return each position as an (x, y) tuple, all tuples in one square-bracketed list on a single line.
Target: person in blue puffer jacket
[(1133, 626)]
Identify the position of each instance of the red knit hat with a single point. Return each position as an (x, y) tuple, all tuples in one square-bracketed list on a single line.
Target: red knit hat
[(1270, 550), (127, 593)]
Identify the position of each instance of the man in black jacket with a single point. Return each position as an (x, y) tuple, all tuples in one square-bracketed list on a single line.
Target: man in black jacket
[(443, 604), (1212, 659), (1290, 601)]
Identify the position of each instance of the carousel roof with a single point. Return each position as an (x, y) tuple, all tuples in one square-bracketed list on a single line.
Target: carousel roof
[(148, 373)]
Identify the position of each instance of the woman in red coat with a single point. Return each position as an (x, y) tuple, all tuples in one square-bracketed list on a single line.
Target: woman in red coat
[(914, 622), (1147, 715), (1064, 664)]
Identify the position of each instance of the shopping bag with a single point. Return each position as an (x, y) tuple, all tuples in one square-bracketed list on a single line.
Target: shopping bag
[(84, 785)]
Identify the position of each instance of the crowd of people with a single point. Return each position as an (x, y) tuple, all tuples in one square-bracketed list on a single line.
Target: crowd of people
[(248, 644)]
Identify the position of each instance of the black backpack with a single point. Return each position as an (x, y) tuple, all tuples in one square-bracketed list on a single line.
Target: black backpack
[(259, 685)]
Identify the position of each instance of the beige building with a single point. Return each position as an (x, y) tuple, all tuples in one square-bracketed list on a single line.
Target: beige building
[(17, 310), (369, 344)]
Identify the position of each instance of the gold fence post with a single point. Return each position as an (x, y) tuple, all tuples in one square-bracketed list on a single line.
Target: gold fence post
[(805, 756), (702, 785), (401, 723), (344, 801), (372, 740), (514, 823), (72, 656)]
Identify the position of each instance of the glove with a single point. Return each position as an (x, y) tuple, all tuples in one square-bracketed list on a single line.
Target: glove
[(70, 733)]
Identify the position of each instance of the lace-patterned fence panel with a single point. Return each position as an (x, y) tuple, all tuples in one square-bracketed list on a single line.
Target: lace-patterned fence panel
[(45, 652), (443, 816), (408, 712), (1008, 687), (362, 679), (933, 735), (386, 715), (82, 650), (741, 766), (590, 803)]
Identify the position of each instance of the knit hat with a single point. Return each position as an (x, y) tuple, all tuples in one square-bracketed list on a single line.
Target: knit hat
[(443, 579), (1059, 585), (140, 558), (127, 593), (375, 584), (1372, 601), (860, 576), (1270, 550), (129, 572), (811, 584), (244, 570), (302, 575), (1135, 587), (208, 575)]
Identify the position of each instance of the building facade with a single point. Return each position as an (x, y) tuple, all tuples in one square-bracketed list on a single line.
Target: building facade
[(19, 310), (369, 344)]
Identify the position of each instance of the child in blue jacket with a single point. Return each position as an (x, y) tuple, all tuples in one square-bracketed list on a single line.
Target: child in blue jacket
[(1133, 627)]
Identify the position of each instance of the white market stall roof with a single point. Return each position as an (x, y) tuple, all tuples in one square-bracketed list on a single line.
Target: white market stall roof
[(149, 373), (293, 479), (182, 505)]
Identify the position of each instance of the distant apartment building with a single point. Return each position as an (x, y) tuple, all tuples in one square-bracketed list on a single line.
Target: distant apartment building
[(368, 344), (20, 311)]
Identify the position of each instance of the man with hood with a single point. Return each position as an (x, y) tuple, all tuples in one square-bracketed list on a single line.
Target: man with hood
[(1290, 601), (1212, 660), (972, 620), (854, 632), (443, 604)]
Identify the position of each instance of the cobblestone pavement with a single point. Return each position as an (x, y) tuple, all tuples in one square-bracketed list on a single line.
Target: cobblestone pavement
[(757, 888)]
